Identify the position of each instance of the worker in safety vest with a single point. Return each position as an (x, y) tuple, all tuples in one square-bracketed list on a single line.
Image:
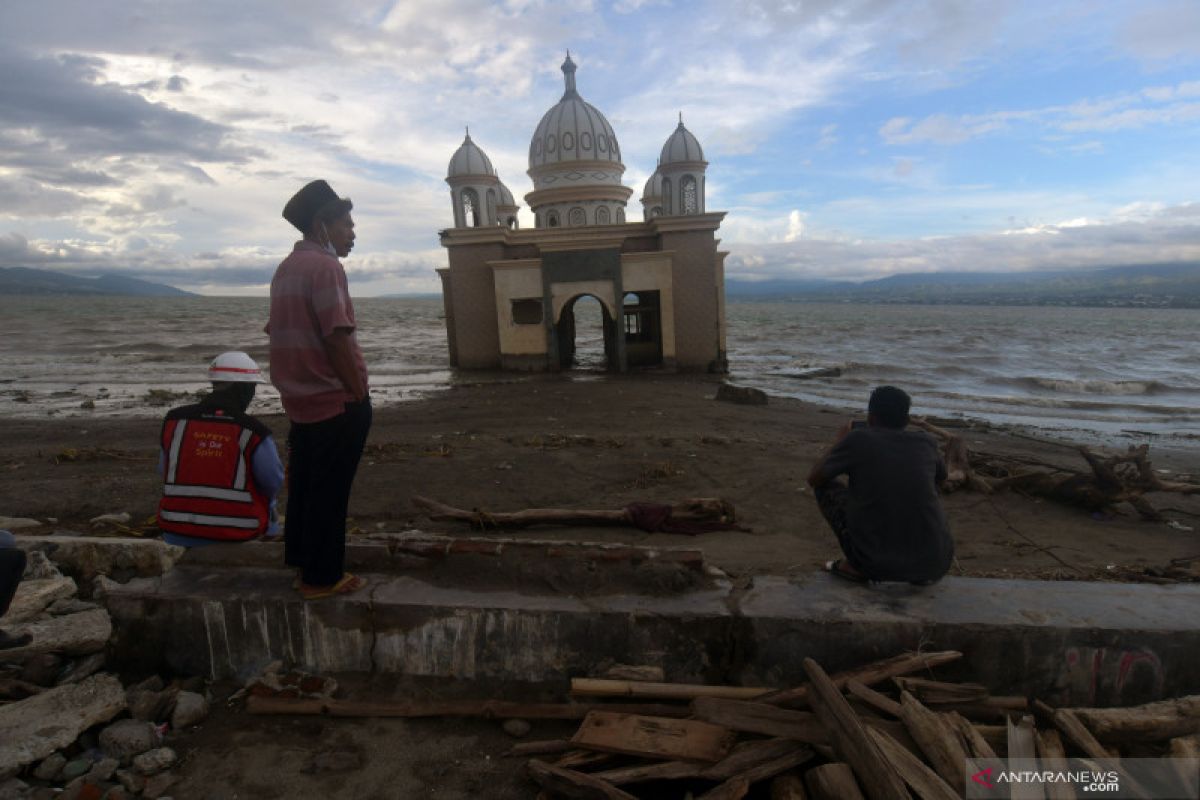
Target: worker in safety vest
[(220, 467)]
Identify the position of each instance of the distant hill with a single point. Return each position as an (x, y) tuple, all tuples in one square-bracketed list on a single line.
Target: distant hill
[(20, 280), (1147, 285)]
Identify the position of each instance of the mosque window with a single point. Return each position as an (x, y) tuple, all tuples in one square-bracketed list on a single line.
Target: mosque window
[(688, 192), (585, 141), (552, 219), (527, 312), (568, 141), (620, 216), (551, 143), (576, 217), (470, 207), (602, 143), (491, 204), (602, 217)]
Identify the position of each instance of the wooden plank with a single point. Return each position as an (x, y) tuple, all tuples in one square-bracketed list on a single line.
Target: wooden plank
[(874, 699), (601, 687), (539, 748), (1023, 745), (653, 737), (768, 720), (924, 782), (850, 739), (574, 785), (749, 756), (788, 787), (1079, 736), (733, 789), (582, 759), (977, 746), (937, 740), (1185, 748), (832, 782), (661, 771), (935, 692), (868, 674), (486, 709), (1054, 757), (1152, 722)]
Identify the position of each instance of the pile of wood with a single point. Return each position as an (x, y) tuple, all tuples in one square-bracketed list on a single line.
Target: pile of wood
[(873, 732)]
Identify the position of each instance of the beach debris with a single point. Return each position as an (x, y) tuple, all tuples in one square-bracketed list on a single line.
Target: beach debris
[(742, 395), (691, 516), (32, 729), (18, 523), (117, 518)]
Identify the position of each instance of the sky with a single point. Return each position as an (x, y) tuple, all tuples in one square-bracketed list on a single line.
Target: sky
[(848, 139)]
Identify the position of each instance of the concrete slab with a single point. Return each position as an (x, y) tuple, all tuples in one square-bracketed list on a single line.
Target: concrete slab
[(1085, 644)]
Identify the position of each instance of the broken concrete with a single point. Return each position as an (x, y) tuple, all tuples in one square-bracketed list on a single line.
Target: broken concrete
[(34, 597), (121, 558), (72, 635), (38, 726)]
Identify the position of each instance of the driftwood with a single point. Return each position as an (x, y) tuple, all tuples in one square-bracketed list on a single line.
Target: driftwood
[(938, 740), (601, 687), (1054, 757), (486, 709), (1022, 744), (833, 782), (694, 511), (747, 717), (572, 784), (788, 787), (868, 675), (938, 692), (959, 472), (654, 737), (1153, 722), (924, 782)]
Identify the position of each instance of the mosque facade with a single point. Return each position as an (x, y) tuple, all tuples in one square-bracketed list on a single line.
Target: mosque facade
[(510, 292)]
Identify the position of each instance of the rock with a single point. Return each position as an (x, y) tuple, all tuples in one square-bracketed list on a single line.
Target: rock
[(128, 738), (76, 768), (190, 709), (158, 785), (69, 605), (116, 793), (33, 597), (155, 761), (85, 557), (150, 705), (82, 668), (14, 788), (51, 767), (152, 684), (73, 635), (742, 395), (45, 793), (103, 770), (193, 684), (120, 518), (81, 789), (334, 761), (35, 727), (516, 727), (130, 780), (17, 523), (38, 567), (42, 669)]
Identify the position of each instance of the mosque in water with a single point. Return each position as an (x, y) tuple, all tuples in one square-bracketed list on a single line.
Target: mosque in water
[(510, 293)]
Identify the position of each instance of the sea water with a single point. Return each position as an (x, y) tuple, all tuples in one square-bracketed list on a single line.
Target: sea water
[(1100, 371)]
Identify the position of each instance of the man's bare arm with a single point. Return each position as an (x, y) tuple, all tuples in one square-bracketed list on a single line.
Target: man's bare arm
[(339, 348), (816, 477)]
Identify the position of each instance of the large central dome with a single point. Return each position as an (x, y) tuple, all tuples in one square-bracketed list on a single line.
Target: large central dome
[(573, 130)]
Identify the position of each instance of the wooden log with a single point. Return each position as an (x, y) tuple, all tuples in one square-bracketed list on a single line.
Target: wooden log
[(1054, 758), (850, 739), (995, 735), (749, 717), (935, 692), (733, 789), (895, 729), (582, 759), (539, 748), (1022, 745), (574, 785), (994, 710), (1152, 722), (693, 509), (925, 783), (1187, 749), (756, 756), (937, 740), (977, 746), (661, 771), (873, 698), (486, 709), (1079, 736), (601, 687), (632, 672), (868, 674), (832, 782), (654, 737), (788, 787)]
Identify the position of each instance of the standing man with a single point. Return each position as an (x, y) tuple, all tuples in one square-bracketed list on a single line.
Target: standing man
[(889, 522), (318, 368)]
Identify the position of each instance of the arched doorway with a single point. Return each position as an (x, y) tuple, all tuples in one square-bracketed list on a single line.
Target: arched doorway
[(586, 335)]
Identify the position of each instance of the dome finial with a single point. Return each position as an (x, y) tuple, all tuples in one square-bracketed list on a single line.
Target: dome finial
[(468, 131), (568, 68)]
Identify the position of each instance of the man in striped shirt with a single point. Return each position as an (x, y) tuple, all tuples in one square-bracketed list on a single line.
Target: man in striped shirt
[(318, 367)]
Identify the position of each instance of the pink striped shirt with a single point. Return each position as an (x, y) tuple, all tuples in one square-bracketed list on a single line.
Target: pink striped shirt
[(309, 301)]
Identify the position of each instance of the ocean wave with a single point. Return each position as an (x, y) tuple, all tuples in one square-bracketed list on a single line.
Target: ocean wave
[(1088, 386)]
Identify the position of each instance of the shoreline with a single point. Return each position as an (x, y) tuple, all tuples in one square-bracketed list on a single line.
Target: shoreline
[(555, 441)]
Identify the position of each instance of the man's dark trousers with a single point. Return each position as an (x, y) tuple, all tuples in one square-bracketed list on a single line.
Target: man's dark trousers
[(322, 460)]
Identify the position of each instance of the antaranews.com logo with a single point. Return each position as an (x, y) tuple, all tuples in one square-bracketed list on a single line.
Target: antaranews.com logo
[(1158, 778)]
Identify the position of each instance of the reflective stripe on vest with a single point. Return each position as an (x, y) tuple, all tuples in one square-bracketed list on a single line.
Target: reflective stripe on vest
[(208, 519)]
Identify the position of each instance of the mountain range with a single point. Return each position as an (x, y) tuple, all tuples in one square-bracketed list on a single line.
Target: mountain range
[(21, 280)]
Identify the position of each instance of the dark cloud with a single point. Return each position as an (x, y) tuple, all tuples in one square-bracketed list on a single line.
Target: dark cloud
[(176, 83)]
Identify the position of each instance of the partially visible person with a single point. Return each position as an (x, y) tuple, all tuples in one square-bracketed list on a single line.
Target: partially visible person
[(220, 466), (12, 567), (889, 521), (318, 367)]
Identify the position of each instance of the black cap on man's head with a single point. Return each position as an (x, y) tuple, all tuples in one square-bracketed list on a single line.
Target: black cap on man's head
[(307, 203)]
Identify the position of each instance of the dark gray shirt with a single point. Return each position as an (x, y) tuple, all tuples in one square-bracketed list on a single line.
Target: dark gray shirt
[(895, 516)]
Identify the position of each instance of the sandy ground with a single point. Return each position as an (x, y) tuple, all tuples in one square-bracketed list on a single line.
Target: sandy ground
[(591, 443)]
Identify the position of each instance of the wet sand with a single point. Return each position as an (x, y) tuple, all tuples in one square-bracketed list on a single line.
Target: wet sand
[(602, 443)]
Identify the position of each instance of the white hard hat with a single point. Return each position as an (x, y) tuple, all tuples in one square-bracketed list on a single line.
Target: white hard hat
[(234, 367)]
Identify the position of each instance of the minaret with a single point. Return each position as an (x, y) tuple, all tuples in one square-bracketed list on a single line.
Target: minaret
[(568, 68)]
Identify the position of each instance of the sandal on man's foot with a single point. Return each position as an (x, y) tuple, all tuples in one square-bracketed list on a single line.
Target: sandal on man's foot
[(348, 584), (841, 569)]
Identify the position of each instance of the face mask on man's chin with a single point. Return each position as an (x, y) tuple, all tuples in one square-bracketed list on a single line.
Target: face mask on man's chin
[(329, 248)]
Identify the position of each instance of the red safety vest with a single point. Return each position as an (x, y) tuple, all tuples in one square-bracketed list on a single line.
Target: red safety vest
[(209, 489)]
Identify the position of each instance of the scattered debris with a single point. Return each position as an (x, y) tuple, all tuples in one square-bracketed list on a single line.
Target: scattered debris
[(692, 516)]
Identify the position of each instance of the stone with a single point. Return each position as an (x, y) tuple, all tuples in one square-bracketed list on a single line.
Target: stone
[(38, 566), (72, 635), (14, 788), (152, 684), (42, 669), (128, 738), (103, 770), (116, 793), (69, 605), (155, 761), (18, 523), (34, 596), (130, 780), (120, 557), (119, 518), (82, 668), (35, 727), (516, 727), (190, 709), (150, 705), (156, 786), (51, 767), (742, 395), (75, 768)]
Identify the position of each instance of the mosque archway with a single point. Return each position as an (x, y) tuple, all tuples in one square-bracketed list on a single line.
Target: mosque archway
[(586, 335)]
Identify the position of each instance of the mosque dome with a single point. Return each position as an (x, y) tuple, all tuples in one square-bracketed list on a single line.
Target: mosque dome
[(681, 146), (506, 197), (572, 130), (654, 186), (469, 159)]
